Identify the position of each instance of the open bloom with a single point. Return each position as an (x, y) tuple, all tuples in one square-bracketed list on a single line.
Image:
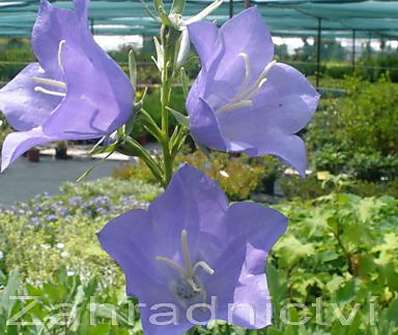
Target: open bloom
[(75, 91), (191, 257), (242, 100)]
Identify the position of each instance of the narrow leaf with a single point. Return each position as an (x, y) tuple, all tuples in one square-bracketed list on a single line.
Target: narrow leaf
[(177, 7), (85, 174), (9, 293), (184, 48), (181, 118), (132, 68), (184, 81), (159, 54)]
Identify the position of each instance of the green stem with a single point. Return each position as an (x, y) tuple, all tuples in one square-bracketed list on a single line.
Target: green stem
[(130, 146), (346, 253), (168, 40), (152, 126)]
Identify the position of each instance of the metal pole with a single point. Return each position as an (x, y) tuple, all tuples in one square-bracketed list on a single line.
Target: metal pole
[(92, 26), (231, 8), (370, 46), (318, 52), (354, 40)]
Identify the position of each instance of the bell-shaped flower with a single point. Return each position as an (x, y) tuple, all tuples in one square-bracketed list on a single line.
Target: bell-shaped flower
[(74, 92), (243, 100), (192, 257)]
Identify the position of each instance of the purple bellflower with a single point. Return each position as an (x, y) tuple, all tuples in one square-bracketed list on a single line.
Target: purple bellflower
[(74, 92), (242, 100), (191, 257)]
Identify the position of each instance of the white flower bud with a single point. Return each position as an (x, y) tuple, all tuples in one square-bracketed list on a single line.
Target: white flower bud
[(185, 47)]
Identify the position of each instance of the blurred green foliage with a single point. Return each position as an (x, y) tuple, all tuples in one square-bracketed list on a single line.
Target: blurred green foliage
[(357, 134), (14, 55), (239, 176), (312, 187), (41, 235)]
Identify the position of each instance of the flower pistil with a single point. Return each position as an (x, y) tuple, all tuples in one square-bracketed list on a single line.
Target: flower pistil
[(188, 287)]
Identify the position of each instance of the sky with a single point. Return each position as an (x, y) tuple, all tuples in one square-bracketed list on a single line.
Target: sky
[(114, 42)]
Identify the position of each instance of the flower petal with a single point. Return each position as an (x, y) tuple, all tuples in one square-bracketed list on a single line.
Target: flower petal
[(203, 124), (245, 33), (261, 227), (99, 98), (23, 107), (291, 98), (252, 304), (192, 202), (284, 106), (54, 25), (204, 35), (252, 231), (127, 239), (256, 141), (16, 144), (99, 94)]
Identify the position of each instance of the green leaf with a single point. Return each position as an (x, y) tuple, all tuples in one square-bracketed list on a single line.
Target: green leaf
[(128, 127), (181, 118), (291, 250), (184, 79), (157, 4), (392, 311), (97, 149), (273, 331), (164, 17), (85, 174), (7, 300), (109, 312), (132, 68), (277, 286), (177, 7), (159, 60), (347, 292)]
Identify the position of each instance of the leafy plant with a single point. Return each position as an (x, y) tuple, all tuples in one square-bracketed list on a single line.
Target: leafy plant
[(356, 134)]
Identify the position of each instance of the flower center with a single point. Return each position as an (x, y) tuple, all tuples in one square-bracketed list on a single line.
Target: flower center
[(248, 91), (51, 83), (188, 287)]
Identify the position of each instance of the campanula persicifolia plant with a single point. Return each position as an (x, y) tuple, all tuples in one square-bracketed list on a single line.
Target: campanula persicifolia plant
[(191, 257)]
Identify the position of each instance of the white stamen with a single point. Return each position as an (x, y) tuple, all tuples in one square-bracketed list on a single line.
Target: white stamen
[(244, 99), (49, 92), (60, 48), (49, 82), (247, 66), (204, 267), (264, 74), (194, 286), (236, 105), (185, 252), (172, 264), (268, 68), (188, 271), (262, 82)]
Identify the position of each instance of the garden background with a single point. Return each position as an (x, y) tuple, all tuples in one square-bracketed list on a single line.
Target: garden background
[(334, 272)]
